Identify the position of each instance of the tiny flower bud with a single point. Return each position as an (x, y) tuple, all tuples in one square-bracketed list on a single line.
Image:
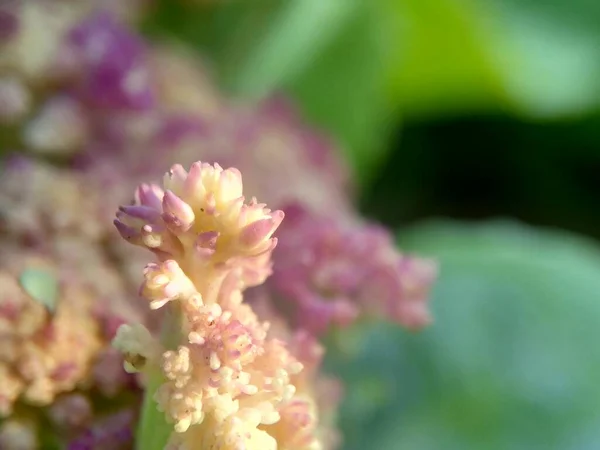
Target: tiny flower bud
[(258, 232), (178, 215)]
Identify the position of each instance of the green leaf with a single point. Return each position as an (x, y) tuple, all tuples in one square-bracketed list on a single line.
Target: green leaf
[(343, 90), (547, 53), (42, 286), (510, 361), (292, 41), (153, 431), (538, 59), (328, 56), (440, 62)]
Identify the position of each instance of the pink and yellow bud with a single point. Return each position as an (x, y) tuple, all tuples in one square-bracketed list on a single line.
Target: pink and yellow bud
[(165, 282), (296, 428), (200, 220), (177, 214)]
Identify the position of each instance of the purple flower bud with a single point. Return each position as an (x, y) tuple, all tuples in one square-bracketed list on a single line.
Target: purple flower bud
[(112, 64), (207, 240), (149, 195), (9, 23), (177, 214), (258, 232), (128, 233), (144, 213)]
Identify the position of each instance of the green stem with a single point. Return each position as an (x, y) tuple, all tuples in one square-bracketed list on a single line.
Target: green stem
[(153, 431)]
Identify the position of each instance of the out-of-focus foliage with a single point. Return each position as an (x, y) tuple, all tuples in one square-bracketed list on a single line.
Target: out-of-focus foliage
[(41, 286), (511, 361), (355, 66), (329, 56), (538, 59)]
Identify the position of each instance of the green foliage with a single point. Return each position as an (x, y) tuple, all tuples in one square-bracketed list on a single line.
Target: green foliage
[(41, 286), (441, 62), (538, 59), (511, 360), (343, 89), (548, 54)]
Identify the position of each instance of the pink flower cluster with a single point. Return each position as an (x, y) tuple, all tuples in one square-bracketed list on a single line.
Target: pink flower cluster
[(227, 382), (329, 273), (61, 299)]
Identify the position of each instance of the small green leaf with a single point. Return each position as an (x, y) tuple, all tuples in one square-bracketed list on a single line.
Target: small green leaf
[(42, 286)]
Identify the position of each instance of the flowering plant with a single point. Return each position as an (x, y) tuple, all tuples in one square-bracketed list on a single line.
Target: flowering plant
[(227, 380), (227, 341)]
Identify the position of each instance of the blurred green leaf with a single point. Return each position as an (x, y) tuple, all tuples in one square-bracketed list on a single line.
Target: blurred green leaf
[(440, 62), (511, 360), (539, 59), (547, 53), (42, 286), (343, 90), (328, 55), (292, 41)]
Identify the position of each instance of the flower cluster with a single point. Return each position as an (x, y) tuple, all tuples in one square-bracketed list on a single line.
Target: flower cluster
[(53, 351), (228, 383), (98, 111), (61, 301), (329, 273), (45, 350)]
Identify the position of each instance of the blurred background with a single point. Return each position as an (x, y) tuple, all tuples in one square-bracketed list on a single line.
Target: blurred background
[(473, 129)]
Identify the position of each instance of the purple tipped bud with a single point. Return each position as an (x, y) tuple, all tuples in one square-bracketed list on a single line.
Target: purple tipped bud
[(112, 61), (207, 240), (149, 195), (128, 233), (206, 244), (258, 232), (144, 213), (177, 214), (9, 23)]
